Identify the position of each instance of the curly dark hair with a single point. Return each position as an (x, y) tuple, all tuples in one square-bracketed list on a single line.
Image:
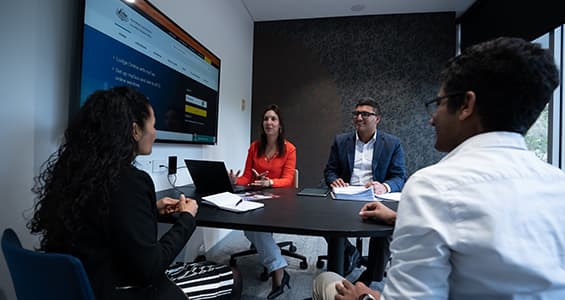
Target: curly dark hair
[(281, 149), (81, 174), (512, 79)]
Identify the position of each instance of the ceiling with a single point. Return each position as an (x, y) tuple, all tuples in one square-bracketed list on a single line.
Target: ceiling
[(271, 10)]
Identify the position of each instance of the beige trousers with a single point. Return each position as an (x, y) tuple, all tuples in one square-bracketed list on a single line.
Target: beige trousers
[(324, 286)]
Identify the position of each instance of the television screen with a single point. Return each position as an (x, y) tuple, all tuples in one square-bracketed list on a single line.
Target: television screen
[(133, 43)]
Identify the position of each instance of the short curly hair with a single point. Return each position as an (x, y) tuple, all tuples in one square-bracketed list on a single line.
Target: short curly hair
[(512, 79)]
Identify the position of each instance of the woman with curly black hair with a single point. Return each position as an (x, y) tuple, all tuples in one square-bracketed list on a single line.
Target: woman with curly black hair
[(92, 203)]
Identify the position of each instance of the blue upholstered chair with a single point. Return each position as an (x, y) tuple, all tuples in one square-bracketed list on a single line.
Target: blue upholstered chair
[(46, 276)]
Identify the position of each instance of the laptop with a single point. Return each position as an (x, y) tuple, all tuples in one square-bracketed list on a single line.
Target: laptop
[(211, 177)]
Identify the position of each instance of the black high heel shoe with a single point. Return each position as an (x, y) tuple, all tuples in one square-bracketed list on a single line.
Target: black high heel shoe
[(280, 289)]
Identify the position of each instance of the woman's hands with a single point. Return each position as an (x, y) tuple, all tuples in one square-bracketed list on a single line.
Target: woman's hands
[(168, 205), (261, 179), (266, 182), (234, 176), (188, 205)]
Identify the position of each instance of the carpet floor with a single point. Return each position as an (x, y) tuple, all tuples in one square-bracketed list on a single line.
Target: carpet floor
[(300, 280)]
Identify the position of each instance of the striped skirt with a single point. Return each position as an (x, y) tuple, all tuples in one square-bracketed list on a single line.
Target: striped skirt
[(202, 280)]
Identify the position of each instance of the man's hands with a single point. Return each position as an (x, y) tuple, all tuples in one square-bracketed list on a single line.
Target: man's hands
[(168, 205), (339, 183), (378, 211), (347, 291), (375, 209), (378, 187)]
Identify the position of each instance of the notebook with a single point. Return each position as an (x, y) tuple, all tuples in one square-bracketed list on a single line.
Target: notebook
[(232, 202), (211, 177)]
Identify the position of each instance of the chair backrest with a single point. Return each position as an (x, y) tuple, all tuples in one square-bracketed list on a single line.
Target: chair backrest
[(296, 178), (38, 275)]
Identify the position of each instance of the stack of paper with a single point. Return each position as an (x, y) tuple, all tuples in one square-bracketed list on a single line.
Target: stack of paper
[(361, 193), (352, 192), (395, 196), (231, 202)]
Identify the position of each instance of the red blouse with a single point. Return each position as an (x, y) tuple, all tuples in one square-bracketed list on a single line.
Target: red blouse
[(281, 168)]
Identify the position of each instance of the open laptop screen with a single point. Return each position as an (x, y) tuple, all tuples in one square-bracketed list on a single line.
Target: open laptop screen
[(211, 177)]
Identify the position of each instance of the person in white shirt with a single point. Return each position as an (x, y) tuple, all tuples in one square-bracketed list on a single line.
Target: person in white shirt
[(486, 221)]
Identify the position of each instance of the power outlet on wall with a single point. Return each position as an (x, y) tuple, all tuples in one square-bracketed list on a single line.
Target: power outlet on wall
[(159, 166), (145, 165)]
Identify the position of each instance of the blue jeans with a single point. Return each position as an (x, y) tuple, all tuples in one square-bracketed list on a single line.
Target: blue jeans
[(269, 252)]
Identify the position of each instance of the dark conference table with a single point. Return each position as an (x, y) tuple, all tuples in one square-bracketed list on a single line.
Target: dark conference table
[(293, 214)]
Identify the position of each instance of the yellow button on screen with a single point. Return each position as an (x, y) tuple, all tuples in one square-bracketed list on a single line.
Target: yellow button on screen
[(195, 111)]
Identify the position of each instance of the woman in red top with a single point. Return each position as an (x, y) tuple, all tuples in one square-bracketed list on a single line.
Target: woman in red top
[(271, 162)]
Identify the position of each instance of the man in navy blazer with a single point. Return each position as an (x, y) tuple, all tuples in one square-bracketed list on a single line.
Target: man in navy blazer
[(368, 157), (387, 166)]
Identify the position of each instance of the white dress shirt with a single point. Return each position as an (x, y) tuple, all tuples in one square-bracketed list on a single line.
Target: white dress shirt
[(486, 222), (363, 161)]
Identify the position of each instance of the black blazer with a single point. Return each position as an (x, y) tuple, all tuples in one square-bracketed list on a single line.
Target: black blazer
[(125, 249), (388, 160)]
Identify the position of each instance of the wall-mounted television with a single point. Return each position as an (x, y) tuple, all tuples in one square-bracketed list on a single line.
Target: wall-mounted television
[(133, 43)]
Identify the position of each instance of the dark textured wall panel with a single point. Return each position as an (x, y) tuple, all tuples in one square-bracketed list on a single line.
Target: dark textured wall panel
[(316, 69)]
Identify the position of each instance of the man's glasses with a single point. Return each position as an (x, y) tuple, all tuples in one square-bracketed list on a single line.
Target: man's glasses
[(364, 114), (432, 105)]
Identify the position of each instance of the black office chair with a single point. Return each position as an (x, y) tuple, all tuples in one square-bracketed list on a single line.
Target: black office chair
[(290, 252), (363, 260), (358, 244), (376, 269)]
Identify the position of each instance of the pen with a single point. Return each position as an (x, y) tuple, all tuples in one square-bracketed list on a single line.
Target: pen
[(238, 202)]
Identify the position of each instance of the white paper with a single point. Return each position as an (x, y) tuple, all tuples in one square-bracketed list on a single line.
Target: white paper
[(350, 190), (228, 201), (395, 196), (354, 192)]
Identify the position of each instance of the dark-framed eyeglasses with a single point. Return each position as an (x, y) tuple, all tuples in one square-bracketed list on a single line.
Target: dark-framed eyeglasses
[(432, 105), (364, 114)]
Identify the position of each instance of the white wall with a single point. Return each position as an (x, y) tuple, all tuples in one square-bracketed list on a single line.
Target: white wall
[(35, 67)]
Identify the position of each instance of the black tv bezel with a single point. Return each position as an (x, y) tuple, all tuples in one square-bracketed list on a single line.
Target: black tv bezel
[(76, 67)]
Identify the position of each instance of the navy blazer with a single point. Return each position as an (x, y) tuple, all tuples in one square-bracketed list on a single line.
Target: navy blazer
[(388, 160)]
